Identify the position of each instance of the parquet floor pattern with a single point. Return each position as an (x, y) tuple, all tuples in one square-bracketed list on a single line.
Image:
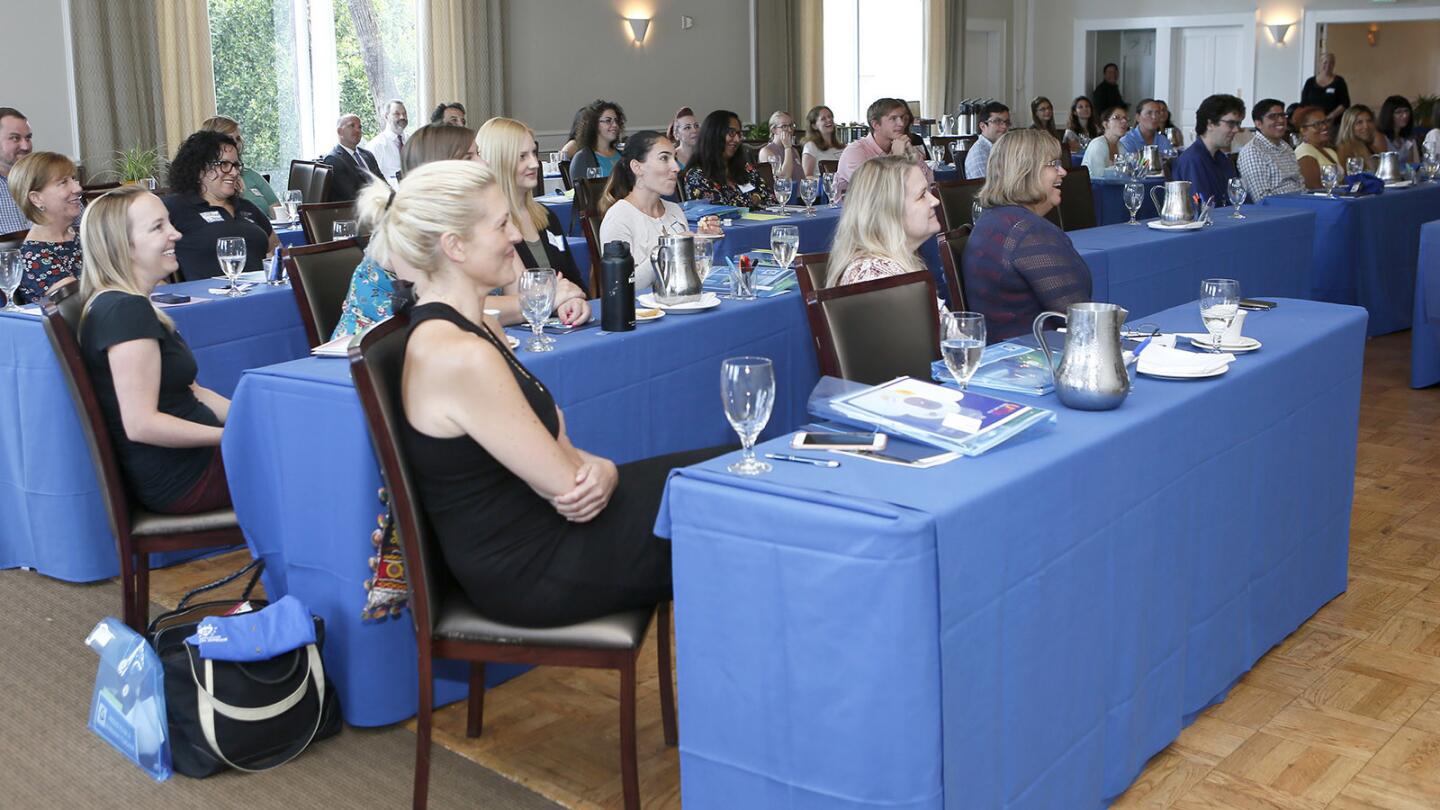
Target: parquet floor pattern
[(1345, 714)]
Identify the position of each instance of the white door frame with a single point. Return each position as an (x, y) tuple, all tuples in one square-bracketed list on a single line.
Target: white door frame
[(995, 26), (1164, 42), (1309, 20)]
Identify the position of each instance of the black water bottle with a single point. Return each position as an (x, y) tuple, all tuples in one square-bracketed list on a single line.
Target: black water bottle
[(617, 288)]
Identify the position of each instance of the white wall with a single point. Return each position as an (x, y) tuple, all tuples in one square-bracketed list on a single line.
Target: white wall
[(37, 69)]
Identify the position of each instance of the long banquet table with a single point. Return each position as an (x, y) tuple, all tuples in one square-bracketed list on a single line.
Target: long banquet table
[(1023, 629), (54, 514), (1425, 332)]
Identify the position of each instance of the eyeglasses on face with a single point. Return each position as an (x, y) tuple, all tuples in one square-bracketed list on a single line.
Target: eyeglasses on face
[(1322, 124), (226, 166), (784, 126), (995, 121), (1052, 164), (608, 120), (1229, 123), (732, 132)]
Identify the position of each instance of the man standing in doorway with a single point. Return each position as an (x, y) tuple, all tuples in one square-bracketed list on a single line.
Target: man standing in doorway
[(15, 138), (389, 145), (1206, 162), (1107, 92)]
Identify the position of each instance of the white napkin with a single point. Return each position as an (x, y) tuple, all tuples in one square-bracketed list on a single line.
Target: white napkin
[(1175, 362)]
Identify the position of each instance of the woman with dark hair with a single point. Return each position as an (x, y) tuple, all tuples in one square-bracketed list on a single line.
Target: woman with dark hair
[(572, 141), (1042, 117), (1397, 124), (633, 207), (720, 173), (1082, 123), (206, 204), (603, 123), (684, 132), (450, 112), (821, 142)]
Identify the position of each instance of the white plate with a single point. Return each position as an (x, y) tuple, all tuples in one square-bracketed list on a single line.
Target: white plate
[(1160, 226), (1185, 376), (708, 300), (654, 314), (1202, 341)]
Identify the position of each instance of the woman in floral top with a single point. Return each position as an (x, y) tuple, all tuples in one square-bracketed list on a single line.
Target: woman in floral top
[(44, 187), (719, 173)]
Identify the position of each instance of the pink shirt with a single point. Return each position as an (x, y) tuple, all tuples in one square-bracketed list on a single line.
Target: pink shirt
[(860, 151)]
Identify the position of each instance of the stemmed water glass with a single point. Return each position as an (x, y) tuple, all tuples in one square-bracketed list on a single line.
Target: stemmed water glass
[(1134, 197), (1219, 303), (809, 190), (976, 209), (537, 298), (1236, 188), (747, 390), (11, 270), (828, 178), (962, 341), (230, 250), (783, 187), (784, 243), (1354, 166), (292, 199), (1330, 177), (343, 229)]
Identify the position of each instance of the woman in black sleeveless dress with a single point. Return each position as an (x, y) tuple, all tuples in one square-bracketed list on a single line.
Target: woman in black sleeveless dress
[(537, 532)]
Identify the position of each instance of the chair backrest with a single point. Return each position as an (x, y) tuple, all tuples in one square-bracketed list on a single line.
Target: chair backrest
[(588, 193), (318, 189), (956, 197), (300, 171), (875, 331), (14, 239), (376, 361), (565, 174), (1077, 203), (318, 219), (590, 225), (320, 276), (811, 275), (766, 172), (62, 310), (952, 248), (829, 166)]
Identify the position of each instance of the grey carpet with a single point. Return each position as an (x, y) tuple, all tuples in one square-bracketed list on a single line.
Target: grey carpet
[(50, 759)]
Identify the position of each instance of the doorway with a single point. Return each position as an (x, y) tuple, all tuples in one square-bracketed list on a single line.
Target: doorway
[(984, 58), (1133, 51), (1207, 61)]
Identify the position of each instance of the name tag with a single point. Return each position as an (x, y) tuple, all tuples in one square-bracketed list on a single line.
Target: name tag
[(747, 187), (557, 240), (1330, 90), (212, 216)]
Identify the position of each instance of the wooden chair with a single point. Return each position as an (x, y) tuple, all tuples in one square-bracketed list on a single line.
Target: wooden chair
[(138, 533), (565, 174), (767, 176), (814, 267), (590, 226), (311, 179), (447, 625), (320, 276), (1077, 202), (318, 219), (14, 239), (91, 193), (872, 331), (587, 197), (956, 199), (952, 248)]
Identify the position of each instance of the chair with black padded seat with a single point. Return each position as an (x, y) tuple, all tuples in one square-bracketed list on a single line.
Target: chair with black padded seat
[(1077, 200), (565, 175), (138, 532), (311, 179), (872, 331), (318, 220), (952, 248), (447, 625), (811, 275), (91, 193), (767, 176), (587, 198), (956, 198), (320, 276), (680, 189), (590, 225)]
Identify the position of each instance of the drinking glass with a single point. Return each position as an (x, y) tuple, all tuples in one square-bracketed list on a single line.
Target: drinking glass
[(593, 173), (828, 178), (1236, 187), (747, 390), (784, 243), (1219, 301), (1084, 142), (783, 188), (11, 270), (1134, 197), (704, 257), (1353, 166), (147, 183), (343, 229), (292, 199), (809, 190), (962, 341), (1330, 177), (976, 209), (537, 299), (230, 250)]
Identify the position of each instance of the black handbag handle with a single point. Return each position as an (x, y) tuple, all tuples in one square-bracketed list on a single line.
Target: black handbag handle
[(257, 565), (315, 674)]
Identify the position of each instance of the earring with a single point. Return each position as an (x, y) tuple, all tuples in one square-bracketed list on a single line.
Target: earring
[(40, 208)]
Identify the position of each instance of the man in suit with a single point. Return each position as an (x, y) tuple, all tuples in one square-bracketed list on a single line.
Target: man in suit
[(352, 166)]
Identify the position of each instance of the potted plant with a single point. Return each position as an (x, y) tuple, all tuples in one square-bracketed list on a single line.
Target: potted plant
[(1425, 111), (137, 166)]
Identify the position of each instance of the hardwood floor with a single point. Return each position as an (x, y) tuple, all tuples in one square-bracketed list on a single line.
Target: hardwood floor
[(1345, 714)]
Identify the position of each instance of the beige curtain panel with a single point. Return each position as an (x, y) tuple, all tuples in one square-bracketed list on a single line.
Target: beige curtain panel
[(790, 60), (187, 72), (119, 99), (462, 56)]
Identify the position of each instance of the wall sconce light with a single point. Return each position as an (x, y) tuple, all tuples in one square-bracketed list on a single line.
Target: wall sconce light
[(1278, 31), (1373, 35), (638, 27)]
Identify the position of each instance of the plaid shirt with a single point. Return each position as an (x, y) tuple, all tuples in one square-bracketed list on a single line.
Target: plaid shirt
[(1269, 168), (11, 219)]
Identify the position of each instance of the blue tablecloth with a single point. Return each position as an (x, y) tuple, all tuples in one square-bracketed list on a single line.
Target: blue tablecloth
[(291, 237), (1146, 270), (1365, 249), (1109, 194), (563, 208), (1024, 629), (54, 515), (304, 477), (1425, 333)]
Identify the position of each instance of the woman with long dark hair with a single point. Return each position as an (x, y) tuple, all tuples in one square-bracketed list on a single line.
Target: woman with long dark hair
[(721, 174), (1042, 117), (603, 124), (1397, 124), (1081, 124)]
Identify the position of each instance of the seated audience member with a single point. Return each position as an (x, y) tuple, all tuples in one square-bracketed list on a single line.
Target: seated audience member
[(1315, 151), (371, 297), (536, 532), (452, 113), (15, 143), (352, 164), (1432, 143), (781, 151), (166, 428), (1397, 125), (205, 204), (508, 147), (1267, 163), (572, 142), (887, 117), (1172, 132), (253, 186), (602, 127), (890, 214), (1017, 263), (821, 142), (684, 132), (1082, 123), (1149, 117), (1042, 117), (387, 145), (994, 121), (1358, 137), (1100, 154), (1206, 162), (634, 208), (47, 193), (720, 173)]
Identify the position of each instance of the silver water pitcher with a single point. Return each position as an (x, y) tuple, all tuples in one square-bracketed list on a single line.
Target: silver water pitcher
[(1177, 208), (1150, 158), (676, 281), (1389, 168), (1091, 375)]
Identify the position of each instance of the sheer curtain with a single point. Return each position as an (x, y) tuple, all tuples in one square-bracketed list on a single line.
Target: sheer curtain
[(462, 56), (187, 72)]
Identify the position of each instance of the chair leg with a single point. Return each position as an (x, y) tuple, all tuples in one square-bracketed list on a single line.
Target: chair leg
[(476, 705), (127, 590), (667, 686), (629, 772), (142, 591), (423, 719)]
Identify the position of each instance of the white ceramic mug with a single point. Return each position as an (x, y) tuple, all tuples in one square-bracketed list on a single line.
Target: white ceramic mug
[(1235, 333)]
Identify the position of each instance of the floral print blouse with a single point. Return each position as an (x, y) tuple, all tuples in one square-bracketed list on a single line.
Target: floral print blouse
[(368, 302), (47, 264), (698, 186)]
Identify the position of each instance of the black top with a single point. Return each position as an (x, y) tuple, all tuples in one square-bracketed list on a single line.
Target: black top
[(1326, 98), (158, 476), (556, 258), (200, 224), (346, 178), (1106, 95)]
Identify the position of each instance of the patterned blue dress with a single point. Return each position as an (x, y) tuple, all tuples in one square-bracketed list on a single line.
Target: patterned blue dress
[(369, 300), (47, 264)]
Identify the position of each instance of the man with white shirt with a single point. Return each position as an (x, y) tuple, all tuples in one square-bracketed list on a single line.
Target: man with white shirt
[(353, 165), (994, 122), (389, 145)]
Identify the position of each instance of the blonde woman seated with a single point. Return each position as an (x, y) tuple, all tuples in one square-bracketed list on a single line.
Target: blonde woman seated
[(633, 208), (1359, 138), (889, 213), (781, 151), (536, 531), (44, 187), (1100, 154)]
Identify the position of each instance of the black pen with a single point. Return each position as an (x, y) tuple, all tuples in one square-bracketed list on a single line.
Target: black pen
[(817, 462)]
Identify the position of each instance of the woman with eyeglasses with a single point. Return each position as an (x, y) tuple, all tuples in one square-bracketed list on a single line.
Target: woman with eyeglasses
[(1042, 117), (721, 174), (206, 204), (601, 127), (1397, 124), (780, 152), (1100, 154), (255, 188), (1315, 151)]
